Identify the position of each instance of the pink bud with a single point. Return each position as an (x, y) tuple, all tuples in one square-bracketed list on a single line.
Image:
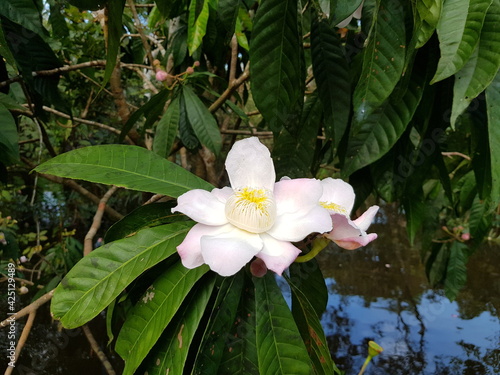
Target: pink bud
[(258, 268), (161, 75), (189, 70), (465, 236), (196, 63)]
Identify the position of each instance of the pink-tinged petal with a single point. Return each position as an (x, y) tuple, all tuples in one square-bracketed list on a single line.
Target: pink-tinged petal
[(202, 206), (338, 192), (277, 255), (297, 211), (357, 12), (365, 220), (343, 227), (190, 249), (249, 164), (226, 253), (352, 243)]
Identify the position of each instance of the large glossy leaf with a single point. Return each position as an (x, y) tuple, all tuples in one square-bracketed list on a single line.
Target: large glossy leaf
[(482, 66), (149, 215), (216, 333), (240, 354), (493, 113), (276, 67), (383, 59), (481, 217), (312, 332), (9, 149), (331, 74), (102, 275), (293, 155), (171, 350), (307, 277), (197, 23), (427, 13), (25, 13), (4, 49), (165, 7), (203, 123), (128, 166), (456, 271), (115, 32), (458, 31), (57, 21), (372, 137), (280, 348), (152, 313), (227, 10), (166, 130)]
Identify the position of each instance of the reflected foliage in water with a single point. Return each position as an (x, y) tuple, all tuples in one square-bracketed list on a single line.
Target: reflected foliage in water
[(381, 293)]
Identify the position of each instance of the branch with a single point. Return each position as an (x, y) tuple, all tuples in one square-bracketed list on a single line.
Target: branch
[(96, 223), (22, 340), (98, 351), (138, 26), (28, 309), (233, 85), (455, 153)]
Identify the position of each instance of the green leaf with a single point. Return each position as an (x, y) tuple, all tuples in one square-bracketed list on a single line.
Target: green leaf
[(221, 319), (427, 13), (481, 68), (154, 105), (24, 13), (165, 7), (493, 112), (115, 32), (415, 209), (227, 11), (342, 9), (203, 123), (149, 215), (153, 312), (280, 348), (374, 136), (312, 332), (9, 148), (293, 155), (57, 21), (437, 262), (128, 166), (101, 276), (171, 350), (166, 130), (458, 32), (307, 277), (197, 23), (383, 58), (456, 271), (481, 218), (4, 49), (240, 354), (276, 64), (331, 73)]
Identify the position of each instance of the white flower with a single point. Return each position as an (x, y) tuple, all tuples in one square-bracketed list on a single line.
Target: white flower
[(356, 14), (338, 198), (255, 217)]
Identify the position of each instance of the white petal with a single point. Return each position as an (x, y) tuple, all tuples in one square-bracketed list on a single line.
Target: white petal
[(249, 164), (202, 206), (226, 253), (223, 194), (190, 249), (298, 211), (338, 192), (345, 22), (347, 234), (357, 12), (364, 221), (278, 255)]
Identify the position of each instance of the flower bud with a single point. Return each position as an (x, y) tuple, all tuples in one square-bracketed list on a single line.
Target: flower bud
[(258, 268), (190, 70), (465, 236), (161, 75), (196, 63)]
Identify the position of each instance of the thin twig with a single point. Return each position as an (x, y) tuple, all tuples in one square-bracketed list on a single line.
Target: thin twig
[(22, 340), (234, 59), (96, 223), (233, 85), (95, 347), (28, 309), (455, 153), (138, 26)]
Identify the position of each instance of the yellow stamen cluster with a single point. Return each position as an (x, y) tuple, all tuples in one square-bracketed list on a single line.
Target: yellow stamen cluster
[(250, 209), (330, 206)]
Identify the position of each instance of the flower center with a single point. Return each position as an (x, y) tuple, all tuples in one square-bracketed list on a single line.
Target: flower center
[(253, 210), (330, 206)]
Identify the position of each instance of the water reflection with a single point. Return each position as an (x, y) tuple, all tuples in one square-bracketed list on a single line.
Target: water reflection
[(380, 293)]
